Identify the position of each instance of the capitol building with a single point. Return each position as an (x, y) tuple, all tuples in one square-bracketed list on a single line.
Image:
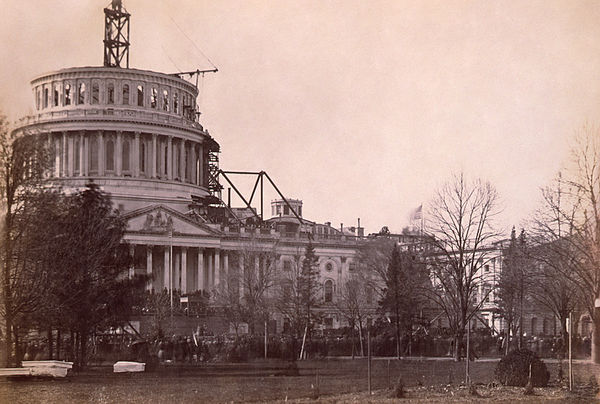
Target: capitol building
[(136, 134)]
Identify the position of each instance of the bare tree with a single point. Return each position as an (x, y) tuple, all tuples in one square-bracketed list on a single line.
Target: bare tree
[(23, 163), (460, 226), (246, 292), (355, 303), (569, 224), (513, 287), (298, 293)]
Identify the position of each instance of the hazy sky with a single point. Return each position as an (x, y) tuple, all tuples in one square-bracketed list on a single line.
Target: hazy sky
[(360, 108)]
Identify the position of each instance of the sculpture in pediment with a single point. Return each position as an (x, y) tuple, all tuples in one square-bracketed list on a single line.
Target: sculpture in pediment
[(158, 222)]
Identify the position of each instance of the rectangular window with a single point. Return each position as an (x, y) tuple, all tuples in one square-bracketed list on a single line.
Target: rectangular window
[(110, 93), (81, 96), (95, 93), (125, 94), (165, 100), (140, 96), (67, 94), (56, 95), (153, 98)]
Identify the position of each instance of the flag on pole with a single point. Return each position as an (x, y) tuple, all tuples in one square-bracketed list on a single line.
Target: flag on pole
[(417, 214), (416, 218)]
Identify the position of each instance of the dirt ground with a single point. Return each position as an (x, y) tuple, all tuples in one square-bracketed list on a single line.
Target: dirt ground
[(334, 380)]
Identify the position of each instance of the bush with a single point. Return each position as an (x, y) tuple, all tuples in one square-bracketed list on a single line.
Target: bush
[(513, 369)]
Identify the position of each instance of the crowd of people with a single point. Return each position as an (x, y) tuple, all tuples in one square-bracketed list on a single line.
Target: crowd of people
[(198, 348)]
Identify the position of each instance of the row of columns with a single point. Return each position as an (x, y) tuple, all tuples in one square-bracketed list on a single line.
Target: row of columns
[(210, 266), (146, 157)]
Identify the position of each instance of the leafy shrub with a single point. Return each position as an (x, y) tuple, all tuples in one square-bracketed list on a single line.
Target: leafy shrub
[(513, 369)]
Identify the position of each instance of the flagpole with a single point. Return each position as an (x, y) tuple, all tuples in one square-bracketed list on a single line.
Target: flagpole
[(422, 220)]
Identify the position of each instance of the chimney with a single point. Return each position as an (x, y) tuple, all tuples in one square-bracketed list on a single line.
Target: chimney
[(342, 227)]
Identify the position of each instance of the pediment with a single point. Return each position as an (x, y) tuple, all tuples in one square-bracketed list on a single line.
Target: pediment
[(160, 219)]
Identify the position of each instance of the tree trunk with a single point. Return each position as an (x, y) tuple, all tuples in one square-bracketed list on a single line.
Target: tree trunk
[(353, 331), (509, 325), (49, 334), (457, 342), (72, 347), (83, 343), (58, 336), (18, 355), (8, 344), (397, 332), (596, 336), (360, 336)]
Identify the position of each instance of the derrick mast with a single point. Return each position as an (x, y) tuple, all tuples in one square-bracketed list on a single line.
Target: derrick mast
[(116, 35)]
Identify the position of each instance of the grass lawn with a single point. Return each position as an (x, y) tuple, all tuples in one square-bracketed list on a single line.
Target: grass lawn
[(272, 381)]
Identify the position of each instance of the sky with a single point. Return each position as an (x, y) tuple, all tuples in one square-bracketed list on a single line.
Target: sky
[(359, 108)]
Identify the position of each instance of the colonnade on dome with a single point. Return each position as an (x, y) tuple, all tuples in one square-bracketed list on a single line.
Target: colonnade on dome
[(136, 154)]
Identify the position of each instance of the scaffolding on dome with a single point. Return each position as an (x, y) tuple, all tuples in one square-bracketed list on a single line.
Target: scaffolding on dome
[(116, 35)]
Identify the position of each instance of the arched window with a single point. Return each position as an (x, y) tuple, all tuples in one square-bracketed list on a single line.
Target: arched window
[(110, 155), (126, 94), (125, 155), (56, 95), (175, 103), (67, 94), (110, 93), (93, 154), (328, 289), (140, 96), (95, 93), (81, 94), (142, 156), (46, 96), (153, 97), (166, 100), (38, 99)]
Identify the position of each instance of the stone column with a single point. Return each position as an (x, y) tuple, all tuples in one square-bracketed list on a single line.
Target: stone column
[(71, 168), (153, 162), (176, 271), (48, 173), (166, 270), (182, 160), (101, 154), (183, 269), (200, 179), (241, 274), (119, 153), (86, 155), (170, 158), (226, 266), (193, 163), (63, 166), (150, 285), (135, 161), (57, 156), (132, 255), (210, 277), (217, 267), (82, 170), (200, 269)]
